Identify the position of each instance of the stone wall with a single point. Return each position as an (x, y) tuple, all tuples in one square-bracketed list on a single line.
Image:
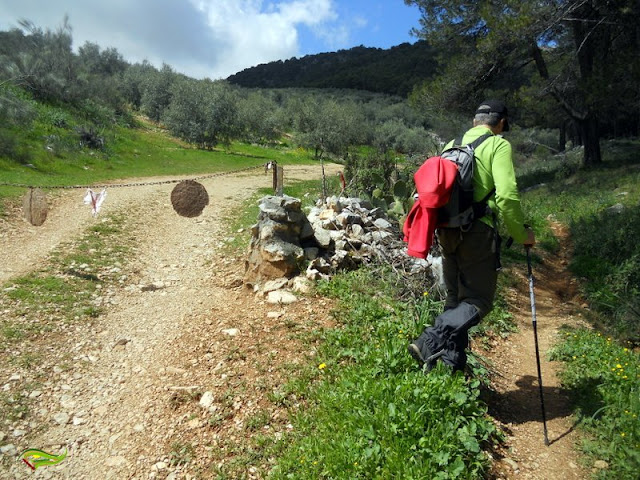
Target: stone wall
[(339, 234)]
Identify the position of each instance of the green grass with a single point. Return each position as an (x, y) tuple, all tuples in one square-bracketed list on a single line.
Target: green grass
[(601, 370), (63, 289), (604, 378), (369, 411), (53, 158), (141, 153), (605, 256)]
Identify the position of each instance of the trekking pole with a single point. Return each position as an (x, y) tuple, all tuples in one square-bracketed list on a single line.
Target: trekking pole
[(535, 336)]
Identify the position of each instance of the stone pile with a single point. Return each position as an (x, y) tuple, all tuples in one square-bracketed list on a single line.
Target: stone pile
[(339, 234), (350, 232)]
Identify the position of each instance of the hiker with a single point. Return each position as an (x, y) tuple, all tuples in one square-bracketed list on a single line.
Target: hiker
[(471, 253)]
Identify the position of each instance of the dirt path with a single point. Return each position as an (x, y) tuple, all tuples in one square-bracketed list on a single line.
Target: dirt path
[(516, 400), (123, 394)]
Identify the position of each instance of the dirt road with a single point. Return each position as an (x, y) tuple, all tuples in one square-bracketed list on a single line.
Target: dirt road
[(123, 394), (171, 378)]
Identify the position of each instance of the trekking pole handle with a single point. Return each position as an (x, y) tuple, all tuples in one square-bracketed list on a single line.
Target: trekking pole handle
[(529, 269)]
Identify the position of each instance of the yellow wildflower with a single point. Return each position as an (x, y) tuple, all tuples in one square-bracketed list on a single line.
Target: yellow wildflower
[(322, 366)]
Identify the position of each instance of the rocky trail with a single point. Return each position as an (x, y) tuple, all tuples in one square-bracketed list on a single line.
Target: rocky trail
[(186, 364)]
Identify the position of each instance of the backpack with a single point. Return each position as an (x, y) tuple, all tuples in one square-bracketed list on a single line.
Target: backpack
[(461, 210)]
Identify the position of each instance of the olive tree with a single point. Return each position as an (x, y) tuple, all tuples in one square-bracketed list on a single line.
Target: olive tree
[(202, 112)]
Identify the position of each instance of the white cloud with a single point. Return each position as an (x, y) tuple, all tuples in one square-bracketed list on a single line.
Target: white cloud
[(251, 33), (202, 38)]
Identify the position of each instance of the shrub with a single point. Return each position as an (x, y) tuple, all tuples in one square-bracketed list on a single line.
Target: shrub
[(98, 114), (365, 173), (90, 138), (16, 107), (607, 256), (541, 143), (53, 117)]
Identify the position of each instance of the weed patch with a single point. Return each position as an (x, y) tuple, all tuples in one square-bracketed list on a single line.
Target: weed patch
[(610, 261), (370, 412), (181, 454), (605, 255), (603, 378)]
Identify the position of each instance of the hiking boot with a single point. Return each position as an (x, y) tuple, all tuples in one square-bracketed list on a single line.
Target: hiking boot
[(420, 351)]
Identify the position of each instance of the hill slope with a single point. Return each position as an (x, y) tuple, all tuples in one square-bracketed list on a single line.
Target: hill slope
[(394, 71)]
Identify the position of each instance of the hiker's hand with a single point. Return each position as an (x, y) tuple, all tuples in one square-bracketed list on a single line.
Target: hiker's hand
[(531, 238)]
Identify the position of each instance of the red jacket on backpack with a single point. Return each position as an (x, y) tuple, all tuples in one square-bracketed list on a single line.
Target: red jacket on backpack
[(434, 180)]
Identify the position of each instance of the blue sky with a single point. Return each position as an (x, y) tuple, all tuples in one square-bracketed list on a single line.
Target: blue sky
[(216, 38)]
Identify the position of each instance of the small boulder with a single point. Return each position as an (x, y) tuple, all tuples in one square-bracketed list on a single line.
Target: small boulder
[(281, 297)]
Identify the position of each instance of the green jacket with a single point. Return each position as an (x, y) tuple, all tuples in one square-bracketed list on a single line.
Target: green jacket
[(494, 169)]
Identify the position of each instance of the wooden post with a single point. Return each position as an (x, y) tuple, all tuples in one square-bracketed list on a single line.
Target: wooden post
[(279, 181), (274, 168), (324, 182)]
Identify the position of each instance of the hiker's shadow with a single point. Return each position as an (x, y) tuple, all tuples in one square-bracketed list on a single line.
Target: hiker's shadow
[(523, 404)]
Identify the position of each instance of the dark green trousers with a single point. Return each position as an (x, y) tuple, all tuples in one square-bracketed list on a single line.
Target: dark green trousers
[(469, 262)]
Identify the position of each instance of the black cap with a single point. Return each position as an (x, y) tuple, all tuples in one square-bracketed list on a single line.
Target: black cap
[(495, 106)]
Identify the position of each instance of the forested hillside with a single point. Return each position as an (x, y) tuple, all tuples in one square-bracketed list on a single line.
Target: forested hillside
[(394, 71)]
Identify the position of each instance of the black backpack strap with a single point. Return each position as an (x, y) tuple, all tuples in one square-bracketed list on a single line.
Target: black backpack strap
[(476, 143), (457, 142), (488, 196)]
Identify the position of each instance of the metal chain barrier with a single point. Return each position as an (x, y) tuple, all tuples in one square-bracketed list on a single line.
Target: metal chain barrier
[(141, 184)]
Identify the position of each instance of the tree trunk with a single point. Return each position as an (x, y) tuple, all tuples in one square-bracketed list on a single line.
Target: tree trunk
[(562, 137), (591, 140)]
